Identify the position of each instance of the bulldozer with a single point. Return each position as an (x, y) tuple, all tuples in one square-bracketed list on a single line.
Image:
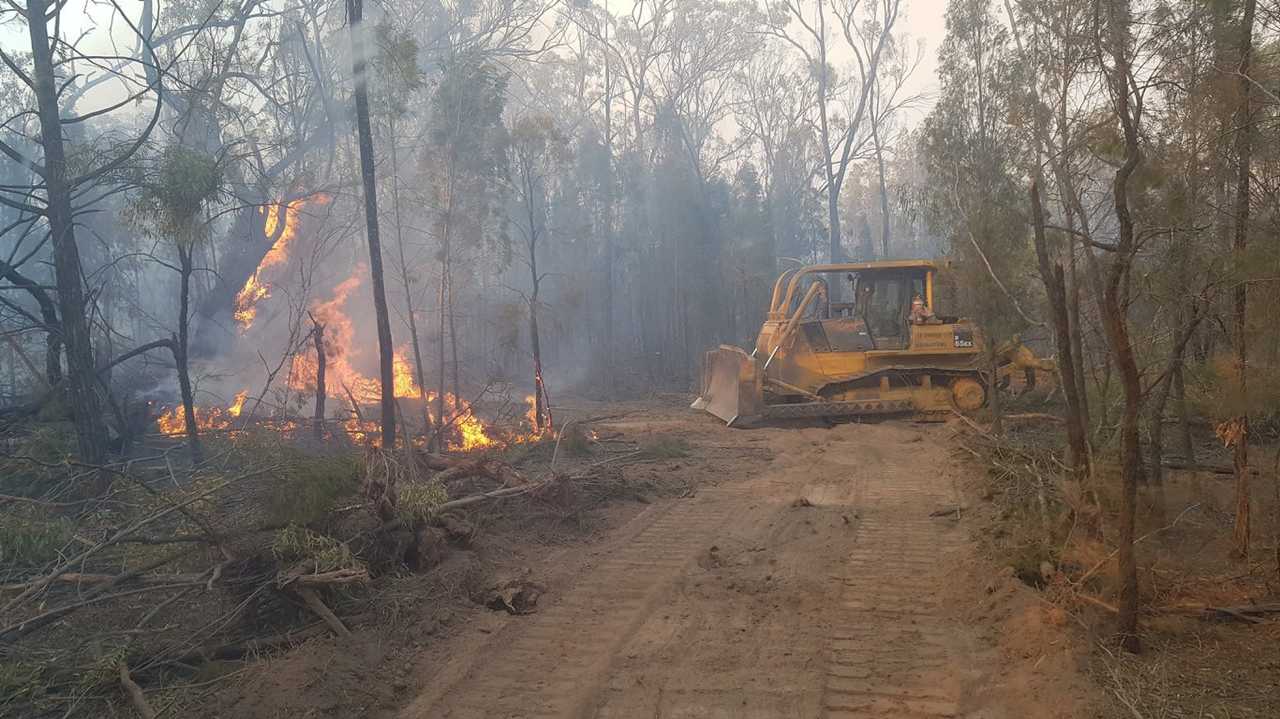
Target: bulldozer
[(857, 339)]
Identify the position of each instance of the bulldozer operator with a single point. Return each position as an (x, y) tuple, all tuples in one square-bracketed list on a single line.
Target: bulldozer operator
[(921, 314)]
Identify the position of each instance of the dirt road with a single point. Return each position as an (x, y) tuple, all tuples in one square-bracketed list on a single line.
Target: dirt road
[(811, 584)]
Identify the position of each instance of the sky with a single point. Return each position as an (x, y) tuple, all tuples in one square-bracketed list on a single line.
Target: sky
[(923, 21)]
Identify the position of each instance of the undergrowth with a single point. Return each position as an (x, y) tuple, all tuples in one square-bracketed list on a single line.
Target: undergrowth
[(30, 539), (305, 487)]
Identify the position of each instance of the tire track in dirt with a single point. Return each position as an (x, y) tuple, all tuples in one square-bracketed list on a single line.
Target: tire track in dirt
[(553, 661)]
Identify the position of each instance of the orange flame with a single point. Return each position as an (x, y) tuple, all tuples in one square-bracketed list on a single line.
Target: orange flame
[(256, 288), (238, 404), (174, 421), (339, 339)]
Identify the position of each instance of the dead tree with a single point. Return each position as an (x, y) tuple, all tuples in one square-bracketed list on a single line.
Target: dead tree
[(317, 334)]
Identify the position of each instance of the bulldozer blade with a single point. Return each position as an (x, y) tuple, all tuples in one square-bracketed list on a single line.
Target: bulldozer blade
[(730, 385)]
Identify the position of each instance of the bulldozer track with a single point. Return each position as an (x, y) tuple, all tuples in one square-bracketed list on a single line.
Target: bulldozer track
[(891, 652), (552, 666), (830, 608)]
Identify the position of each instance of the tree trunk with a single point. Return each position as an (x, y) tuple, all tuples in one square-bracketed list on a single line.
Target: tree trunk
[(1184, 416), (442, 420), (1115, 322), (1244, 151), (453, 350), (1055, 287), (91, 432), (993, 386), (609, 258), (1077, 333), (885, 226), (180, 355), (418, 369), (541, 408), (322, 388), (386, 349)]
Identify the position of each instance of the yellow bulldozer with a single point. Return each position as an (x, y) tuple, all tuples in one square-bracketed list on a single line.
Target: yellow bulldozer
[(856, 339)]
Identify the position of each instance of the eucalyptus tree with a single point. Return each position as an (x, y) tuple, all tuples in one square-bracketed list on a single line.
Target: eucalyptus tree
[(820, 31)]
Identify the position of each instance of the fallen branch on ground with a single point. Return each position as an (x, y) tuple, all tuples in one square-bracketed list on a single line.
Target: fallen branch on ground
[(1211, 468), (1034, 416), (303, 578), (316, 605), (136, 697)]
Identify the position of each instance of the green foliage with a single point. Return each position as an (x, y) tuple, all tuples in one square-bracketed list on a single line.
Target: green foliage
[(312, 488), (30, 539), (174, 189), (294, 544), (306, 487), (972, 152), (416, 501), (466, 160), (395, 71)]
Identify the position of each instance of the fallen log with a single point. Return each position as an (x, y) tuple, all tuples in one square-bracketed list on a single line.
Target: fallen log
[(1251, 613), (451, 468)]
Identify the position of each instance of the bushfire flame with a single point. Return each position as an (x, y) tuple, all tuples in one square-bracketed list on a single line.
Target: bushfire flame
[(339, 337), (256, 288), (174, 420)]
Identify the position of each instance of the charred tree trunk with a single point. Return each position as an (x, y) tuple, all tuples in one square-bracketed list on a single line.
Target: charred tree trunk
[(317, 334), (91, 431), (1055, 286), (386, 348), (181, 346), (1244, 152), (541, 404)]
